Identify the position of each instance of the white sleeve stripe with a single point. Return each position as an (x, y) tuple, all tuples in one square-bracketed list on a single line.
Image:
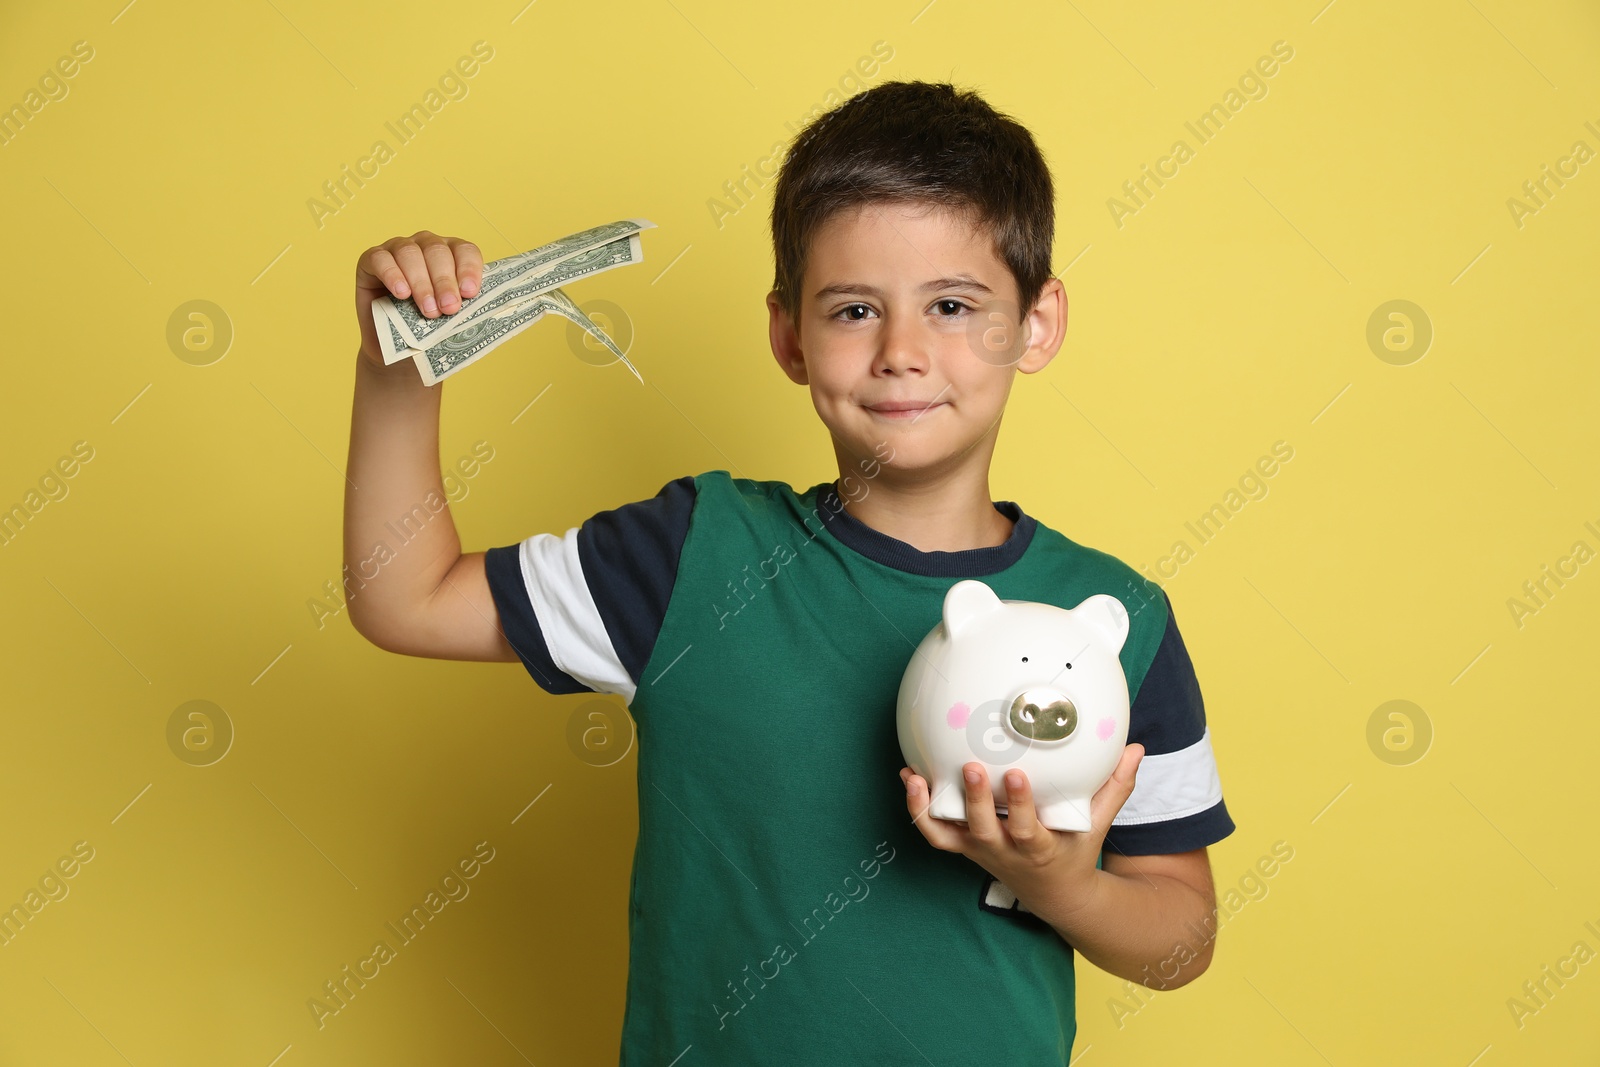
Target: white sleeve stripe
[(568, 617), (1173, 785)]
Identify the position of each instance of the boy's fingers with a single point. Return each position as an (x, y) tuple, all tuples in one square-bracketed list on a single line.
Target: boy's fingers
[(442, 270), (469, 267), (939, 833), (1022, 818), (1109, 798), (379, 267), (409, 257), (981, 818)]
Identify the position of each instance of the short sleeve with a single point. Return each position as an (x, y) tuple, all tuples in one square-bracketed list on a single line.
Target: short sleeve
[(1176, 804), (583, 609)]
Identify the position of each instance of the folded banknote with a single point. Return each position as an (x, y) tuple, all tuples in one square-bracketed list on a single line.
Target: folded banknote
[(517, 291)]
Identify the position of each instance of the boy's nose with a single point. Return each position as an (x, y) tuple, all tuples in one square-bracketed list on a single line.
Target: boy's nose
[(900, 349), (1043, 715)]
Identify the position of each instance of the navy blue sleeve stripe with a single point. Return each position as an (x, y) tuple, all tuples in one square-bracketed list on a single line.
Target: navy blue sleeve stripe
[(1177, 803), (1168, 712), (629, 557), (1174, 835), (518, 622), (584, 609)]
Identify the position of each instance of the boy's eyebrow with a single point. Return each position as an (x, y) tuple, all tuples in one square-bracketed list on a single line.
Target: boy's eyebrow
[(960, 281)]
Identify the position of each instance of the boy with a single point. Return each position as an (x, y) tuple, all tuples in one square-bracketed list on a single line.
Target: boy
[(786, 905)]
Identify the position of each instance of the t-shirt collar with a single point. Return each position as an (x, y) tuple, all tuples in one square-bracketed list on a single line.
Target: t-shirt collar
[(893, 552)]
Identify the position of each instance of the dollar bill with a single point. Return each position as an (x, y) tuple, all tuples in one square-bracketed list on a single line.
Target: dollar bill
[(619, 253), (503, 279), (439, 361), (517, 291), (509, 300), (464, 347)]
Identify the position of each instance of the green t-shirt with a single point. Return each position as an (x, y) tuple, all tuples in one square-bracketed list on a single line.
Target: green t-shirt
[(783, 907)]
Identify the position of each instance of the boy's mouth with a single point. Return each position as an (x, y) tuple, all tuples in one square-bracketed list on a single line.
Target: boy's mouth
[(903, 409)]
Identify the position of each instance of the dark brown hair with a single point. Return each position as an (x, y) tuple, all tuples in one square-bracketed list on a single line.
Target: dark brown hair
[(916, 141)]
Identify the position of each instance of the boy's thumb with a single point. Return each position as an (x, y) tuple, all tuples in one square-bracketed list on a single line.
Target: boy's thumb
[(1108, 800)]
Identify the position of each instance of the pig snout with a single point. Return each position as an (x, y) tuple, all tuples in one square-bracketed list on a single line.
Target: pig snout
[(1043, 715)]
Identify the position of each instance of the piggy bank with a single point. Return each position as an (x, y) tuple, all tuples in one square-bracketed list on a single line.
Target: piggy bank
[(1014, 683)]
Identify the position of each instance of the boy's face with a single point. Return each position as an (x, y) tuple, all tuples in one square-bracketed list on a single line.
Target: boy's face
[(908, 306)]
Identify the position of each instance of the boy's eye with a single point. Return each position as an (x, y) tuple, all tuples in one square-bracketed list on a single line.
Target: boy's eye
[(948, 308)]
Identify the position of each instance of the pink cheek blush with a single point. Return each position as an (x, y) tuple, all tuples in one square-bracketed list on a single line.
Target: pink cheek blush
[(1105, 727), (957, 716)]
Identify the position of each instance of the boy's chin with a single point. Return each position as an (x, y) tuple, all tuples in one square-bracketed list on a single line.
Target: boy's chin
[(901, 458)]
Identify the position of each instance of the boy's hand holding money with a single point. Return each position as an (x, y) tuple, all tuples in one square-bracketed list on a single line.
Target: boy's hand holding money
[(436, 271), (417, 312)]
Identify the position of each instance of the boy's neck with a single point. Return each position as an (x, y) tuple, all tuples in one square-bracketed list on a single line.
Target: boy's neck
[(951, 516)]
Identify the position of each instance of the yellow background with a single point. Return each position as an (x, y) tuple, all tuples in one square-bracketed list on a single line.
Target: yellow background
[(1229, 313)]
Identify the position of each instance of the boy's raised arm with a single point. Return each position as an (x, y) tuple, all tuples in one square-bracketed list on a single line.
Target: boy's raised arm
[(423, 597)]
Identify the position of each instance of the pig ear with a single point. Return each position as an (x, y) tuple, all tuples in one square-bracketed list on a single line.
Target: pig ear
[(1107, 616), (965, 603)]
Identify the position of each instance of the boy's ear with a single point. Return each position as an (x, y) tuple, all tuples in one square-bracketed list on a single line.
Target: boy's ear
[(1047, 327), (785, 338)]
